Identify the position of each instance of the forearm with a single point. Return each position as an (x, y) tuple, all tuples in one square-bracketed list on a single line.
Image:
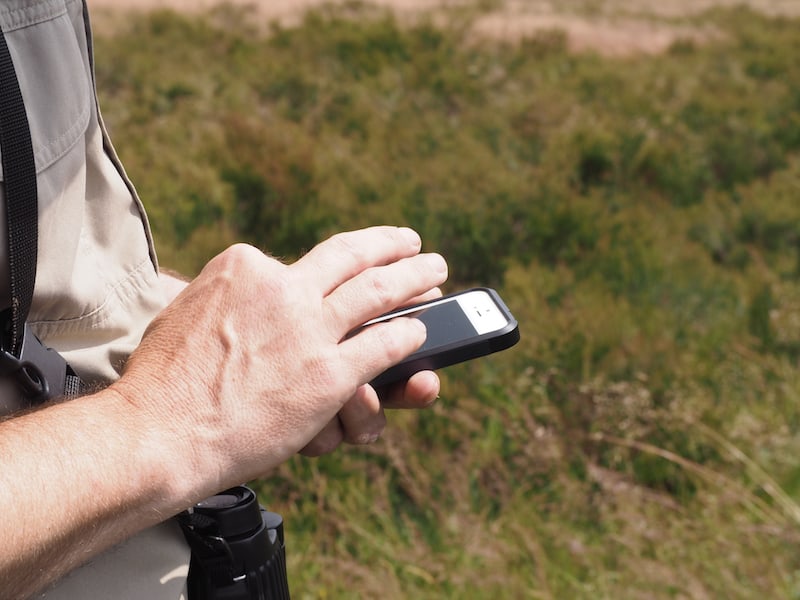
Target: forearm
[(69, 492)]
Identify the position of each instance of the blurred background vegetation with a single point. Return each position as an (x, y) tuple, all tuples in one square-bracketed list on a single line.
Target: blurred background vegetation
[(641, 217)]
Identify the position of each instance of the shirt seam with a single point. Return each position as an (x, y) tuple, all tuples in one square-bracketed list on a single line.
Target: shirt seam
[(27, 16), (116, 294)]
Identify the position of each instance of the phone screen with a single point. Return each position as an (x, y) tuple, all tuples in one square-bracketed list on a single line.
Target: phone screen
[(456, 318), (460, 327), (446, 323)]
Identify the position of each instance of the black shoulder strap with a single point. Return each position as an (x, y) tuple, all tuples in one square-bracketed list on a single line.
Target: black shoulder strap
[(19, 172), (40, 372)]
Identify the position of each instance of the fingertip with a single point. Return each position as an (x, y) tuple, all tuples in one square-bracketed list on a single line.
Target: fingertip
[(411, 236), (438, 263), (426, 386), (419, 326), (420, 391)]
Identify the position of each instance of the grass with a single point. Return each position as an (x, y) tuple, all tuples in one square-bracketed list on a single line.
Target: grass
[(641, 219)]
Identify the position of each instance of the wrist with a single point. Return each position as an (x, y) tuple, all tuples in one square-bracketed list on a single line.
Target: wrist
[(166, 457)]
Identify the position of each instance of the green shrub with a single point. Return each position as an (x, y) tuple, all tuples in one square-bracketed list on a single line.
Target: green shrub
[(640, 217)]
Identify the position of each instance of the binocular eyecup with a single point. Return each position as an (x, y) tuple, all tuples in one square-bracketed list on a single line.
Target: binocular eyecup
[(238, 549)]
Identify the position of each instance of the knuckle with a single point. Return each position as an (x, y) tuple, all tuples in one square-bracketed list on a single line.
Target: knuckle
[(238, 260), (381, 289), (394, 345), (344, 243), (239, 254)]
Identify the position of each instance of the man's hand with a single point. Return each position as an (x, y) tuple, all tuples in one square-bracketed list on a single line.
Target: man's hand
[(362, 418), (251, 362)]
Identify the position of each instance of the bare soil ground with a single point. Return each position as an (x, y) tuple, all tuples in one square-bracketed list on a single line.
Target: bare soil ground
[(612, 27)]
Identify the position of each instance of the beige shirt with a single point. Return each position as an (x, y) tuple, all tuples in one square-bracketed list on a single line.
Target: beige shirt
[(97, 277)]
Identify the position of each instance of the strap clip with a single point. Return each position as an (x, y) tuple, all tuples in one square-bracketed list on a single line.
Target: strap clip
[(39, 371)]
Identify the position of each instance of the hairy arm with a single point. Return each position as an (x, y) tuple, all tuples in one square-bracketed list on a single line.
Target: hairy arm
[(77, 478), (249, 364)]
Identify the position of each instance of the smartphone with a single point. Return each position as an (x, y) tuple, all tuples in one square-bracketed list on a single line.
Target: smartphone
[(461, 326)]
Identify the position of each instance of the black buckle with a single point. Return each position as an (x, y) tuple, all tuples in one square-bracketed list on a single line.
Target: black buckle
[(39, 371)]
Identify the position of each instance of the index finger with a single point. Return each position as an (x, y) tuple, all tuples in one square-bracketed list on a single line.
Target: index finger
[(345, 255)]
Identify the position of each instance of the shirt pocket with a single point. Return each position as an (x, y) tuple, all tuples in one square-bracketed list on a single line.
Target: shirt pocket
[(53, 75)]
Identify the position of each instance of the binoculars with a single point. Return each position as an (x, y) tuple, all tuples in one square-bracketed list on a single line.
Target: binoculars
[(238, 549)]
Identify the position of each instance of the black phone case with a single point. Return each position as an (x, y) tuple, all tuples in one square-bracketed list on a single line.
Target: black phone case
[(456, 352)]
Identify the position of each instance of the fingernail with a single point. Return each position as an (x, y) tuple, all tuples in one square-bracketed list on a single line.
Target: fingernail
[(437, 263), (412, 236), (368, 438)]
